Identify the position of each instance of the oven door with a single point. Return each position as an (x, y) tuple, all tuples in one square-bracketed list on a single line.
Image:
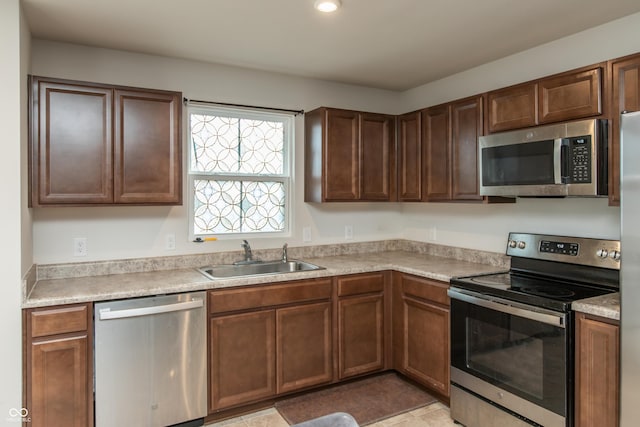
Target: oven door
[(514, 355)]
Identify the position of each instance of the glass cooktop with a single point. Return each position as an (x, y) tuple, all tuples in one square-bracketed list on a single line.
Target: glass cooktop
[(537, 291)]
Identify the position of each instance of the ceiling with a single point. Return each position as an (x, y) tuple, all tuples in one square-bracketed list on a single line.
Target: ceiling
[(387, 44)]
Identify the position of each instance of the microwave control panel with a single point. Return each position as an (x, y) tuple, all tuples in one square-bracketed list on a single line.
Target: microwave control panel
[(579, 159)]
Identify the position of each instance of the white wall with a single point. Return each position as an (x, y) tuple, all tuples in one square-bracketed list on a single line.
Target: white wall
[(612, 40), (140, 231), (11, 251), (485, 227), (126, 232)]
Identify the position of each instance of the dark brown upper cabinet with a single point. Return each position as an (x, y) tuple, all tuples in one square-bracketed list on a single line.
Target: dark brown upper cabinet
[(450, 155), (513, 107), (349, 156), (95, 144), (409, 157), (567, 96), (625, 88)]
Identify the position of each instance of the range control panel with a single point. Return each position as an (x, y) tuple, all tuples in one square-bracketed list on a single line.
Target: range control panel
[(575, 250), (559, 248)]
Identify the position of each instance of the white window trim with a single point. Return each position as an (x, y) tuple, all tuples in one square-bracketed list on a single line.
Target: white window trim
[(287, 177)]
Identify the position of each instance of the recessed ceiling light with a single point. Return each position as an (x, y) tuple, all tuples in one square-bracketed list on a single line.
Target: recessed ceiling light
[(327, 5)]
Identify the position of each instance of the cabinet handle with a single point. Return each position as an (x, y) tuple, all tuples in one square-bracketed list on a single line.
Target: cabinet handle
[(107, 314)]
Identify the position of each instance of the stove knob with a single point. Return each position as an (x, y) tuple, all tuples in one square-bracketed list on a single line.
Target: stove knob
[(614, 255), (522, 245), (512, 243), (602, 253)]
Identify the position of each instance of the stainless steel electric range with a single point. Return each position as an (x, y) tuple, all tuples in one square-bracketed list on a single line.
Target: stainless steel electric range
[(512, 333)]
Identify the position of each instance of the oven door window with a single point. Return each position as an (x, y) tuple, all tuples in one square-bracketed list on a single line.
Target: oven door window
[(530, 163), (525, 357)]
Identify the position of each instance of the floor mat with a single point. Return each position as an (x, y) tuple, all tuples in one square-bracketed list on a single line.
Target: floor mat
[(368, 401)]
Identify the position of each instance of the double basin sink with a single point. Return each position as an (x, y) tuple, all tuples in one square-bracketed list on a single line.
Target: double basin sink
[(257, 268)]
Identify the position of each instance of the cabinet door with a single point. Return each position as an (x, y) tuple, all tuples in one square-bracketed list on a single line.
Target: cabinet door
[(570, 96), (361, 331), (436, 180), (147, 152), (59, 394), (409, 157), (242, 358), (626, 97), (597, 373), (377, 157), (426, 344), (466, 127), (341, 156), (513, 107), (304, 351), (71, 143)]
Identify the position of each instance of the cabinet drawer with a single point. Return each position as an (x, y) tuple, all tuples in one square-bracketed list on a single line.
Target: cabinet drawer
[(60, 320), (427, 289), (221, 301), (360, 284)]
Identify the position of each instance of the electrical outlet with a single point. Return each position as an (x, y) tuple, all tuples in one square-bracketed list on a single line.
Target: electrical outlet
[(170, 242), (306, 234), (80, 246), (348, 232)]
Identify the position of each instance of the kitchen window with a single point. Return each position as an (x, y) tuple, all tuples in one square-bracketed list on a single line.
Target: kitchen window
[(239, 171)]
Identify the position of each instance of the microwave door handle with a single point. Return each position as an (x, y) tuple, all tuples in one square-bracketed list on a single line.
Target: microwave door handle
[(561, 161), (558, 161)]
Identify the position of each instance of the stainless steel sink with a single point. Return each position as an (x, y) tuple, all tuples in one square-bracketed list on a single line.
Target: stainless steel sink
[(257, 269)]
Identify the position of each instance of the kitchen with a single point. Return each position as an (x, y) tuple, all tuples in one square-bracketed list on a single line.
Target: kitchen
[(131, 232)]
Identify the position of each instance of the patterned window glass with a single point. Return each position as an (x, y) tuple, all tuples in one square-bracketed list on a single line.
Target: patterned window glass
[(239, 171)]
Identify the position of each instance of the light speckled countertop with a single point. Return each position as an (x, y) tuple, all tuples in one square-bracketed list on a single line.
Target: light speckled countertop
[(604, 306), (117, 286), (109, 280)]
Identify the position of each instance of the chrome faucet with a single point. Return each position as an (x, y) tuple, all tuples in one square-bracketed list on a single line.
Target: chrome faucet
[(285, 257), (248, 255)]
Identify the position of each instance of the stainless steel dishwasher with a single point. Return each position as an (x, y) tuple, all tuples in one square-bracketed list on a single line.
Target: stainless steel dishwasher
[(150, 361)]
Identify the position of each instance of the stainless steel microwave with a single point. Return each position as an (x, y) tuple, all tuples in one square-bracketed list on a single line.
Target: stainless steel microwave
[(566, 159)]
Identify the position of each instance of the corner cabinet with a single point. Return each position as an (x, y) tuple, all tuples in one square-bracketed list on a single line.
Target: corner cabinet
[(95, 144), (268, 340), (58, 368), (597, 371), (421, 331), (349, 156), (361, 324)]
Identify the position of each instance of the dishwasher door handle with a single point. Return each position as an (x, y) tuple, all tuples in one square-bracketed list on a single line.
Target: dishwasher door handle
[(107, 314)]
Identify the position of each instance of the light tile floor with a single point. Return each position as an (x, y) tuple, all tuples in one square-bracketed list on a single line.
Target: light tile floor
[(434, 415)]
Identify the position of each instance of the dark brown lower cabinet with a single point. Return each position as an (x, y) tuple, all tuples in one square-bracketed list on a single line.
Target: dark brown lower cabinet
[(59, 366), (421, 331), (242, 355), (304, 351), (268, 340), (597, 371), (361, 324)]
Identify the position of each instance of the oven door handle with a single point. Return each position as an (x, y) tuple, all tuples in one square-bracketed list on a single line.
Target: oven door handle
[(508, 307)]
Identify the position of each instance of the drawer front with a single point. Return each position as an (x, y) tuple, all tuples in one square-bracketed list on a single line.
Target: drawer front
[(427, 289), (221, 301), (360, 284), (59, 320)]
